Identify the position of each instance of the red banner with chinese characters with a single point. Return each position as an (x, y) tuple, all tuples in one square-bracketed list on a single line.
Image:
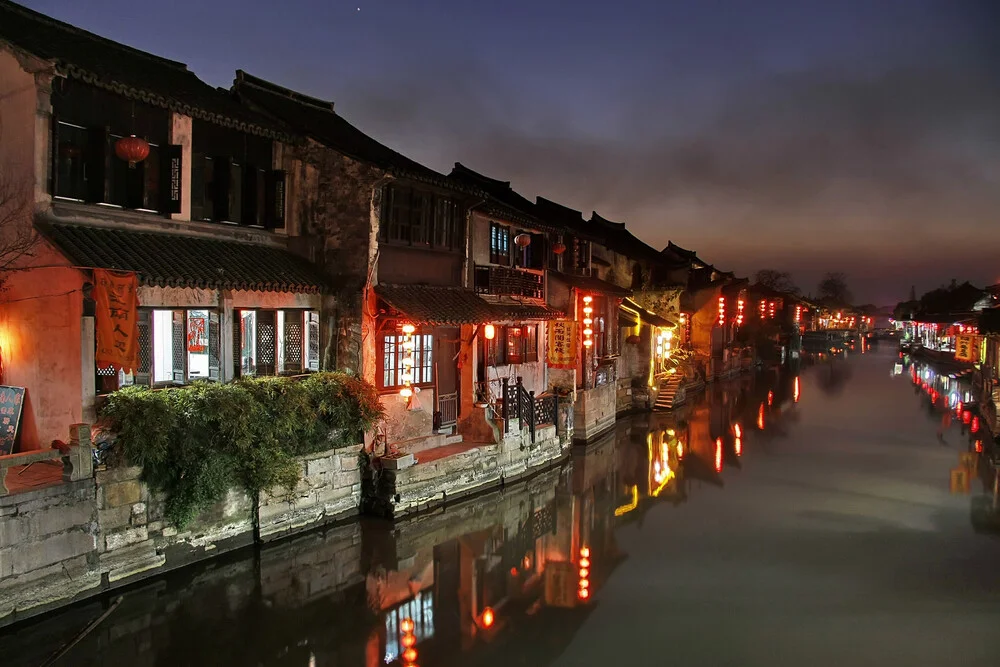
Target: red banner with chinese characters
[(116, 321), (562, 344)]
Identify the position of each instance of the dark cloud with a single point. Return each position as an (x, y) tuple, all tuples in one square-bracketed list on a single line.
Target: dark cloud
[(897, 164)]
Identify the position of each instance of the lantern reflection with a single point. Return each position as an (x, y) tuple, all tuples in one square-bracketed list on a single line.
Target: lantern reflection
[(796, 391), (760, 417), (718, 455)]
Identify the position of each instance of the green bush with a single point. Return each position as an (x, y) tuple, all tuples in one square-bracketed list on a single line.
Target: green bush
[(194, 443)]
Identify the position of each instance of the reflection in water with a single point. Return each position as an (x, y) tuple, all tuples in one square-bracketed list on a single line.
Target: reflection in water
[(508, 577), (946, 390)]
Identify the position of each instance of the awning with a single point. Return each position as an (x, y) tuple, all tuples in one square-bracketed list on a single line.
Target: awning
[(428, 304), (627, 319), (590, 284), (646, 316), (172, 260)]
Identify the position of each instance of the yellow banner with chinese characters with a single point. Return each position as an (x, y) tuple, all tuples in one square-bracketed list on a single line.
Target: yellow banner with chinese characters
[(562, 344), (117, 326), (966, 348)]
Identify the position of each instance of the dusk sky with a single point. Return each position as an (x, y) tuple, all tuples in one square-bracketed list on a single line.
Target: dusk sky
[(854, 135)]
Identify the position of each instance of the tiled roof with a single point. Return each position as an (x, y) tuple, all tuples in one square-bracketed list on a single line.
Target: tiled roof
[(502, 200), (171, 260), (127, 71), (589, 284), (427, 304), (317, 119)]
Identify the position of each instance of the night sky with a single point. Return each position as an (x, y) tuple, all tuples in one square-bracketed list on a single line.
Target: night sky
[(853, 135)]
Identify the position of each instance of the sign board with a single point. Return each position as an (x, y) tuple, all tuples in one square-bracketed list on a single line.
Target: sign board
[(562, 344), (11, 404), (116, 310), (966, 348)]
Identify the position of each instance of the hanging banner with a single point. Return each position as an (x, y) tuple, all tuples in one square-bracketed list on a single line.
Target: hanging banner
[(116, 319), (562, 344), (966, 348)]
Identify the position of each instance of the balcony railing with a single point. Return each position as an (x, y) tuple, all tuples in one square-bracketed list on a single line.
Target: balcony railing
[(501, 281)]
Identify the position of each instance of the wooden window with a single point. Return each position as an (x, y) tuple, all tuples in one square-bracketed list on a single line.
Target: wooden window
[(419, 218), (495, 351), (391, 366), (275, 342), (515, 345), (499, 244), (530, 342)]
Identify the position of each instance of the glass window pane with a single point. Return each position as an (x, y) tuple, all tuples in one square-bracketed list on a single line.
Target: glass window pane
[(197, 344), (163, 351), (248, 342), (70, 158)]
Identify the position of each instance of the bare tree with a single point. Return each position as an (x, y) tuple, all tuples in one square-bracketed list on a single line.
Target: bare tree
[(780, 281), (18, 236), (833, 287)]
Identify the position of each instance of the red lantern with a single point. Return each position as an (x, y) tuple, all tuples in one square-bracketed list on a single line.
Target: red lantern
[(558, 248), (975, 425), (523, 240), (132, 149), (966, 417)]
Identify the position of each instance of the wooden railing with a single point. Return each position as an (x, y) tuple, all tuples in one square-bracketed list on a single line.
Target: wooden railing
[(502, 281), (518, 403), (448, 408)]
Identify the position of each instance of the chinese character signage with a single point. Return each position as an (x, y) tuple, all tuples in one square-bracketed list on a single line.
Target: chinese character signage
[(562, 344), (11, 402), (115, 319), (966, 348)]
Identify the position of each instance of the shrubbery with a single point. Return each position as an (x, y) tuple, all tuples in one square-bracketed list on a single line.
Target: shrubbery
[(197, 442)]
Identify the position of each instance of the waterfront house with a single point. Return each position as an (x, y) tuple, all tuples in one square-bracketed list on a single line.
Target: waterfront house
[(133, 164)]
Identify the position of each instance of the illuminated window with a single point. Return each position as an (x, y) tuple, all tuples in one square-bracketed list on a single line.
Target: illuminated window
[(391, 360)]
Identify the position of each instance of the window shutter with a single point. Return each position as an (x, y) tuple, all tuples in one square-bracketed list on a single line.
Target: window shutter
[(143, 375), (291, 355), (313, 351), (266, 335), (96, 164), (249, 207), (214, 353), (274, 199), (171, 158), (178, 345), (221, 184), (237, 343)]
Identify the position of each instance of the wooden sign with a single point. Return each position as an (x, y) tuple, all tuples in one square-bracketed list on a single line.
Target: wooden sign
[(11, 403), (562, 344), (966, 348)]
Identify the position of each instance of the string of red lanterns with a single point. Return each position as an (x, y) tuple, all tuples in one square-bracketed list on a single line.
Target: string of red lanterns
[(722, 311), (588, 321)]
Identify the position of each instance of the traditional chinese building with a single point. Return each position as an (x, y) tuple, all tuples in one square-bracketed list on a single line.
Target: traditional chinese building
[(132, 164)]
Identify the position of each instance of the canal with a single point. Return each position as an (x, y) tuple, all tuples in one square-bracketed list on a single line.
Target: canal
[(800, 517)]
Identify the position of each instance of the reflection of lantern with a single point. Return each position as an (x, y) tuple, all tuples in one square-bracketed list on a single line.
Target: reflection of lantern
[(489, 331), (966, 417), (132, 149), (523, 240), (718, 455), (558, 248), (722, 311), (488, 617), (975, 425), (583, 592)]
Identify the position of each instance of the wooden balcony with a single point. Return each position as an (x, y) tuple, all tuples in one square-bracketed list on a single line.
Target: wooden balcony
[(502, 281)]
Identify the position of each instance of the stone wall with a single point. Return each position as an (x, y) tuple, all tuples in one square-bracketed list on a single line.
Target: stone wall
[(78, 538), (594, 412), (478, 467), (330, 489), (48, 547)]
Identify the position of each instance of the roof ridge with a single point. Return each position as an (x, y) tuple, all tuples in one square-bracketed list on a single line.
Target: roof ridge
[(595, 216), (67, 27), (462, 169), (242, 77)]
